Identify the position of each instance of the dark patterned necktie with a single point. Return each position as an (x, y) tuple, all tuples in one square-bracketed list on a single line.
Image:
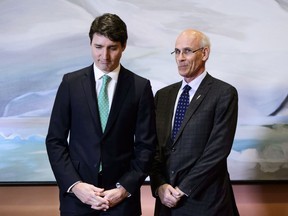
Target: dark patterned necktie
[(182, 105)]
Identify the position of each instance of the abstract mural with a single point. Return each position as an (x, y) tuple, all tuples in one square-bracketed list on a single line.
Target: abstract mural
[(42, 40)]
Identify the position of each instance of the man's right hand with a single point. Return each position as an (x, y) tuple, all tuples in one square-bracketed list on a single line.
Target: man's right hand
[(168, 195), (91, 195)]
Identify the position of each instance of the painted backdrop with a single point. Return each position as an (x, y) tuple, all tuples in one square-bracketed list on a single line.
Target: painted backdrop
[(42, 40)]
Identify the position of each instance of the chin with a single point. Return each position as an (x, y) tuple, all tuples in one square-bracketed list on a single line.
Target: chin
[(183, 73)]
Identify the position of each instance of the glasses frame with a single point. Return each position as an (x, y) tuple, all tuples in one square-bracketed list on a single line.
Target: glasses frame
[(192, 51)]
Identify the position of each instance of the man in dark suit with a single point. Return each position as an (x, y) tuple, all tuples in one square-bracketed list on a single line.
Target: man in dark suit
[(99, 164), (189, 174)]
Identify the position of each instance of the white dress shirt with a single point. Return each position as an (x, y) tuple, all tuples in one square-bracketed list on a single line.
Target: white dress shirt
[(111, 85)]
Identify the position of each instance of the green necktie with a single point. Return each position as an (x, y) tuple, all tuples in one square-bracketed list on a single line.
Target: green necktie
[(103, 101)]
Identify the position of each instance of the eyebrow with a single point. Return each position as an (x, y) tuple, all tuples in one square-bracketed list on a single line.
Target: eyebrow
[(110, 46)]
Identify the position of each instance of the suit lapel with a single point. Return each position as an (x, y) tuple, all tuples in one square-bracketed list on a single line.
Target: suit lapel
[(171, 97), (88, 83), (121, 91), (195, 102)]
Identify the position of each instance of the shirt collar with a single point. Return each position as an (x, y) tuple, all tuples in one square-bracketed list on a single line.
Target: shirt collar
[(113, 74), (194, 84)]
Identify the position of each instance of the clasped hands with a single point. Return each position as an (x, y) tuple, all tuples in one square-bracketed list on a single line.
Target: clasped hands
[(99, 198), (169, 195)]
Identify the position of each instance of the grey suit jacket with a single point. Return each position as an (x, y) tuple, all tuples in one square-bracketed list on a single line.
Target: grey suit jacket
[(196, 161)]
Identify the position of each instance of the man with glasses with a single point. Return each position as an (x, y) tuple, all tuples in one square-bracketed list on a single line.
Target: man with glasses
[(196, 121)]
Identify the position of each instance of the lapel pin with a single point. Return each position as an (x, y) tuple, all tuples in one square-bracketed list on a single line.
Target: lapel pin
[(198, 97)]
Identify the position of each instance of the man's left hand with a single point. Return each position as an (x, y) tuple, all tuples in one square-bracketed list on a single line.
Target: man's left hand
[(115, 196)]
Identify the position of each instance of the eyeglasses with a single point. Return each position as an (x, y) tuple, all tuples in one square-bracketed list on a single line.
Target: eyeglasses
[(185, 51)]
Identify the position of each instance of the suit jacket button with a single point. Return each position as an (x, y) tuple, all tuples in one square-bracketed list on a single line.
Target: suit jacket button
[(173, 149), (172, 172)]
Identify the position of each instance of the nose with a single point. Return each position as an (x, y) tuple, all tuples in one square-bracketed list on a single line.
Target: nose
[(105, 53), (180, 56)]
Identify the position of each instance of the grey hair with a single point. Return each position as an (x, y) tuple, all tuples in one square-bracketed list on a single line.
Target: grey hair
[(205, 41)]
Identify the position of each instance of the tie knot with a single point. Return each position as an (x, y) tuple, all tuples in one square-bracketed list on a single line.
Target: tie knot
[(105, 79), (187, 88)]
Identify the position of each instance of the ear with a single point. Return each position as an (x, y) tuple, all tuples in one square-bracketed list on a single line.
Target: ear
[(205, 53)]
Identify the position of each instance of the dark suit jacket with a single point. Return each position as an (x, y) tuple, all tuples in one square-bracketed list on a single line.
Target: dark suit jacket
[(196, 161), (126, 147)]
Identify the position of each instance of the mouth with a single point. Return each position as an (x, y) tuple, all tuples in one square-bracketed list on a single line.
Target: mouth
[(181, 67), (104, 62)]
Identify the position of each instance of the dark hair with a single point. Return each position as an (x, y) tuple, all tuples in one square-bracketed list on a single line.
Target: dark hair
[(110, 26)]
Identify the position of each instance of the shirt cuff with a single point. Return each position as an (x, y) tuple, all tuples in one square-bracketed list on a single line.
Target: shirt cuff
[(70, 188), (118, 185)]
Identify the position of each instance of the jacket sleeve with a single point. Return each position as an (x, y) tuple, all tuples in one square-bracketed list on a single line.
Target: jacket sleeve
[(56, 140), (158, 167), (144, 142)]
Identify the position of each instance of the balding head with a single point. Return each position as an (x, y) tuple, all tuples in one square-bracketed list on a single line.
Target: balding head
[(192, 49), (195, 36)]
